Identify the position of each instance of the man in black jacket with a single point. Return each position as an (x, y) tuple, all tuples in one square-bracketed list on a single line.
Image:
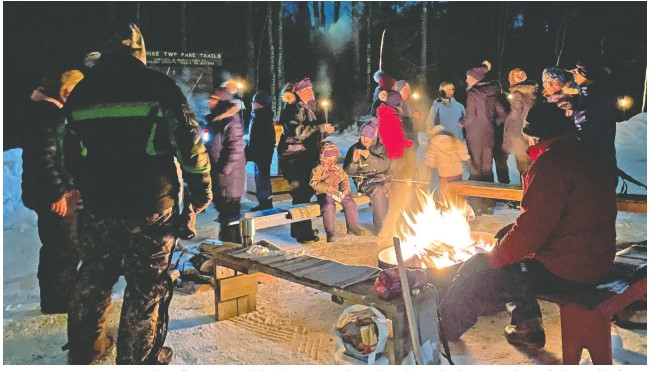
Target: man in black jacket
[(129, 124), (260, 149), (55, 202)]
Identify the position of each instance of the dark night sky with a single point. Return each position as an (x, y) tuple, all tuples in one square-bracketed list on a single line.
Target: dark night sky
[(44, 36)]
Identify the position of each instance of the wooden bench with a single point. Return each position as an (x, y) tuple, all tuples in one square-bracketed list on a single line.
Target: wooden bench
[(294, 213), (398, 345), (585, 318), (514, 192)]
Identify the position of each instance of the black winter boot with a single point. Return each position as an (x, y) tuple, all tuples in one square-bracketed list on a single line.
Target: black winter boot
[(528, 334)]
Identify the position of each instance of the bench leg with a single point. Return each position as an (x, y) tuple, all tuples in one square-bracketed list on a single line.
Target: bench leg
[(584, 328)]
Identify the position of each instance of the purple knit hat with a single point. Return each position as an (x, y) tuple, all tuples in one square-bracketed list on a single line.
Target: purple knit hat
[(303, 84), (369, 130), (393, 98), (478, 73)]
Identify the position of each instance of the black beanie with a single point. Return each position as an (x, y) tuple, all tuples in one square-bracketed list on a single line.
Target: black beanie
[(546, 121), (263, 98)]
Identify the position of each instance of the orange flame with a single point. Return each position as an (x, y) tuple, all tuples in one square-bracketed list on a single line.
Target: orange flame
[(441, 230)]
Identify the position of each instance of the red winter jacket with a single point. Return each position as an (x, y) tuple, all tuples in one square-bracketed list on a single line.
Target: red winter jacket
[(568, 214), (390, 131)]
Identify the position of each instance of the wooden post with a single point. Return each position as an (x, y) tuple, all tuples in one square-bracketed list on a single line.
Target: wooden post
[(409, 309)]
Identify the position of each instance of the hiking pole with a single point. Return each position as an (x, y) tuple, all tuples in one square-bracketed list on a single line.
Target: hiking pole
[(194, 86), (409, 309)]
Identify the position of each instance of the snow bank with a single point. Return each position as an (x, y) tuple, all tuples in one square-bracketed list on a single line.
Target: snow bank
[(631, 150), (16, 215)]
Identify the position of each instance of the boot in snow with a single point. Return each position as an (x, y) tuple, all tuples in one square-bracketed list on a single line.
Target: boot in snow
[(164, 356), (528, 334), (263, 205)]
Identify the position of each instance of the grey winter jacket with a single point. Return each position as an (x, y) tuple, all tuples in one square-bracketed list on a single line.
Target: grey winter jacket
[(371, 172)]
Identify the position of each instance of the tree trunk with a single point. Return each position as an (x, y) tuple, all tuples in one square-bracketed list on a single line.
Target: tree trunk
[(138, 13), (368, 16), (272, 70), (315, 14), (249, 34), (502, 36), (424, 43), (336, 11), (322, 14), (355, 32), (183, 29), (280, 67)]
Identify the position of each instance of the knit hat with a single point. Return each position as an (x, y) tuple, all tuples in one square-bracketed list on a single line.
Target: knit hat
[(377, 75), (554, 72), (393, 99), (302, 85), (369, 130), (262, 98), (386, 82), (329, 149), (478, 73), (516, 76), (547, 121), (222, 93)]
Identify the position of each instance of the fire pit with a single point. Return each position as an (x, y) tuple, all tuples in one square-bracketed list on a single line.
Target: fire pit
[(443, 271)]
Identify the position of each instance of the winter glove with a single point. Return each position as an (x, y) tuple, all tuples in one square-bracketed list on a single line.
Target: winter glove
[(185, 224)]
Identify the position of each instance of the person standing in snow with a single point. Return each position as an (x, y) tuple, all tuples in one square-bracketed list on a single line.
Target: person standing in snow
[(446, 111), (401, 160), (226, 151), (556, 89), (260, 149), (445, 154), (304, 127), (596, 111), (522, 96), (129, 124), (331, 184), (485, 114), (50, 193), (562, 242), (410, 114), (386, 83), (368, 163)]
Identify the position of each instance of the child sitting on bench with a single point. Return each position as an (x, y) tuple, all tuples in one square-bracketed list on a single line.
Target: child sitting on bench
[(331, 184)]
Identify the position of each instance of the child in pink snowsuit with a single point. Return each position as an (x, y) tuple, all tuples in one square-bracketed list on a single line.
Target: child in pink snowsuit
[(331, 184)]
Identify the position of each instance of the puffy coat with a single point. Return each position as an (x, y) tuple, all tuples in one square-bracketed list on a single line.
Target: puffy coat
[(522, 98), (448, 113), (484, 110), (129, 123), (325, 175), (262, 136), (568, 214), (596, 113), (44, 180), (373, 171), (226, 149), (445, 152), (390, 132)]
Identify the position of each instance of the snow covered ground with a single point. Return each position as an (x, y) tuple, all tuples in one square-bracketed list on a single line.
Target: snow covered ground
[(293, 324)]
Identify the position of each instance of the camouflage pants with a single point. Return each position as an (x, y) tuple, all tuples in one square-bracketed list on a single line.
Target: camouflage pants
[(140, 249)]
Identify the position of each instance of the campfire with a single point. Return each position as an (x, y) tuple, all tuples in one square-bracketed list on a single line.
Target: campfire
[(438, 235)]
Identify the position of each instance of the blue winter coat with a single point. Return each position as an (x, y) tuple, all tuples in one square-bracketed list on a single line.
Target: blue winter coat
[(447, 113)]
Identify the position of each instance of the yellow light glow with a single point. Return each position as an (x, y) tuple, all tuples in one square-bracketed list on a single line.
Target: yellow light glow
[(240, 85), (416, 96), (325, 103), (625, 102)]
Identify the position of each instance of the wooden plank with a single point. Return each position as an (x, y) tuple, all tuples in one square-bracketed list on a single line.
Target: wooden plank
[(513, 192), (226, 309), (235, 287)]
